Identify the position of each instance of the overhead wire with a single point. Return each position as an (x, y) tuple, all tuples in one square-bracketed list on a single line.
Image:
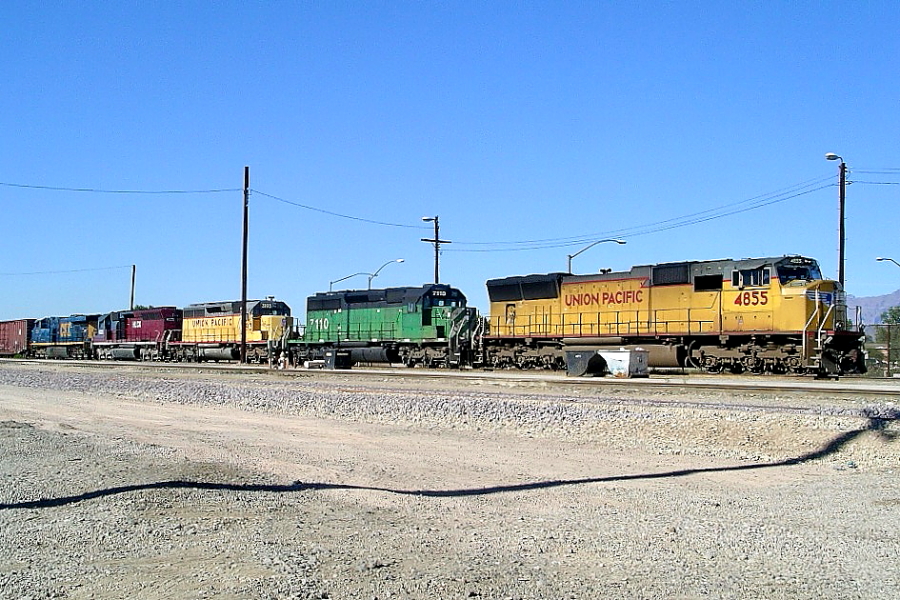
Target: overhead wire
[(337, 214), (725, 210), (591, 236), (800, 189), (100, 191), (67, 271)]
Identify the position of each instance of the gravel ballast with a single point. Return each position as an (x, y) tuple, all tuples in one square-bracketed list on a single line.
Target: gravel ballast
[(130, 483)]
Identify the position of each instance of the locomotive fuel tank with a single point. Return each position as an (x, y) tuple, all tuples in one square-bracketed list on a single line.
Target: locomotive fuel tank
[(227, 353), (374, 354), (125, 353)]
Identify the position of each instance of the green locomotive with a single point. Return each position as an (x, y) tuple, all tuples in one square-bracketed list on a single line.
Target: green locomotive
[(428, 325)]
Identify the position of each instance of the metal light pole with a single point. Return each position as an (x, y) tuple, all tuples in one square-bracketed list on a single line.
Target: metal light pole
[(588, 247), (842, 170), (378, 270), (881, 259), (437, 241)]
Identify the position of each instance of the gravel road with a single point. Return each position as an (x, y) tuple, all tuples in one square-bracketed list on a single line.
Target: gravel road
[(130, 483)]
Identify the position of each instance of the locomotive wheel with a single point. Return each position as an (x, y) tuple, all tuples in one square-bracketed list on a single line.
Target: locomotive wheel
[(712, 364)]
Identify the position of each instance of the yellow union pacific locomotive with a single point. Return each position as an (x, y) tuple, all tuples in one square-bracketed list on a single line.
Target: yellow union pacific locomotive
[(759, 315), (212, 330)]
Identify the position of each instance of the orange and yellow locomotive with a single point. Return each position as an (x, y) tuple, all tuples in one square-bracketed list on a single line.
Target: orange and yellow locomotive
[(759, 315)]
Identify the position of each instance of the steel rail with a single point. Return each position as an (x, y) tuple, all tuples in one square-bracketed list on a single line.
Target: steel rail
[(854, 386)]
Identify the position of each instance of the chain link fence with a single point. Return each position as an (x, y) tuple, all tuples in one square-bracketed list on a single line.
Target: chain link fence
[(883, 349)]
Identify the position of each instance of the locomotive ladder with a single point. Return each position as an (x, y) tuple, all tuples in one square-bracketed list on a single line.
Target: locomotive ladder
[(820, 326)]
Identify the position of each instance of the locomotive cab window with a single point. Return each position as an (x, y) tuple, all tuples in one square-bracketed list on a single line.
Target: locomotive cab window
[(788, 273), (751, 277)]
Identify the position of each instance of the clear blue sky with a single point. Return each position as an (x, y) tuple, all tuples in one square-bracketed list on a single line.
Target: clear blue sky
[(512, 121)]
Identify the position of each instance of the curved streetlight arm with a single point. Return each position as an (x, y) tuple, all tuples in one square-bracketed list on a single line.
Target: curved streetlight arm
[(588, 247), (882, 259), (378, 270), (331, 283)]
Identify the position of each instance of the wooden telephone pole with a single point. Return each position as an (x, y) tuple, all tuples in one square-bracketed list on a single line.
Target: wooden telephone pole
[(244, 266)]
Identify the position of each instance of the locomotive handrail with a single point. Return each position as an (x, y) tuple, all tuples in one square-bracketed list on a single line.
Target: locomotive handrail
[(820, 326), (806, 326), (617, 328), (824, 320)]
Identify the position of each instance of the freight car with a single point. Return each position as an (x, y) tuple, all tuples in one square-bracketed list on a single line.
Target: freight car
[(212, 331), (63, 337), (15, 337), (773, 315), (143, 334), (428, 325)]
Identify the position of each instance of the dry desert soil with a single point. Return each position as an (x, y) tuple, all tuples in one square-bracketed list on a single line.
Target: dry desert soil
[(161, 483)]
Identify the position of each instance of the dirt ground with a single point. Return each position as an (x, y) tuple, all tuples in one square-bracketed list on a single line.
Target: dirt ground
[(111, 494)]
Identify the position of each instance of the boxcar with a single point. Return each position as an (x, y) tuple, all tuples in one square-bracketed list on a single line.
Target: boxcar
[(15, 337)]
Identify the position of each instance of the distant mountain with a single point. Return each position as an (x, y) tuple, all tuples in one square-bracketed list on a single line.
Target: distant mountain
[(872, 306)]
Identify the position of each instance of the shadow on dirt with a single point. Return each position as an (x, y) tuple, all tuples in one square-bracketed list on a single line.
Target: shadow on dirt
[(876, 424)]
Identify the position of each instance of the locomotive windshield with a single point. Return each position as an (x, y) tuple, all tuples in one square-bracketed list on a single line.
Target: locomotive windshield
[(798, 269), (271, 308), (444, 297)]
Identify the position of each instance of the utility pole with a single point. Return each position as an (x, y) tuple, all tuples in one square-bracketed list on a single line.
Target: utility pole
[(244, 266), (133, 273), (842, 172), (437, 241), (843, 195)]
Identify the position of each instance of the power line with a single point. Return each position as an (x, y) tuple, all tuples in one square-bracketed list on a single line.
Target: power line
[(336, 214), (98, 191), (587, 237), (68, 271), (754, 203)]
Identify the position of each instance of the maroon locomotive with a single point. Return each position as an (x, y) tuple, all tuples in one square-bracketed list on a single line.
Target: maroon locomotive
[(137, 334)]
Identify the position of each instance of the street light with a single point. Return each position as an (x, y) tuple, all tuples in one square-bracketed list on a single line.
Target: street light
[(378, 270), (842, 170), (880, 259), (371, 275), (588, 247), (437, 241)]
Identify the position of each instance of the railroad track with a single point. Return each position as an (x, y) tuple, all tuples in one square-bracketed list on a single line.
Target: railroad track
[(846, 387)]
